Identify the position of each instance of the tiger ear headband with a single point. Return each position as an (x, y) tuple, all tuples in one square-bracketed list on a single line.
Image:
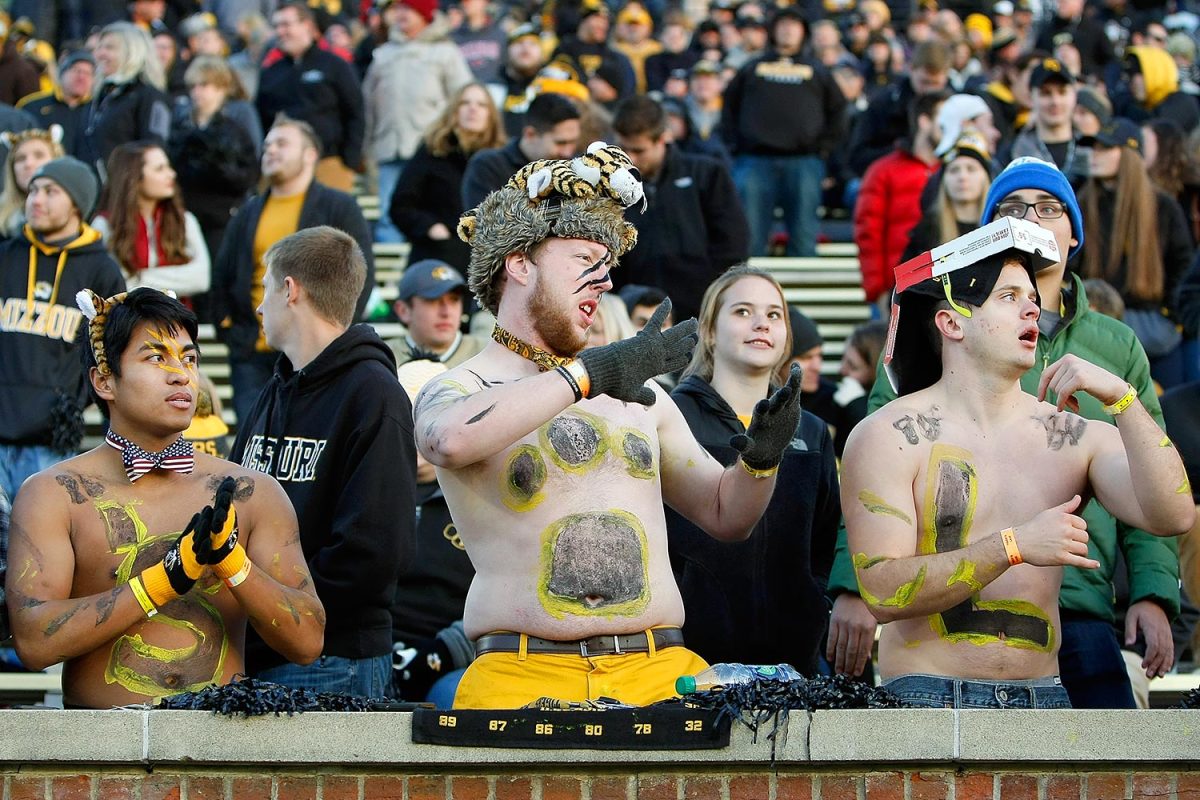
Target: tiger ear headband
[(96, 309)]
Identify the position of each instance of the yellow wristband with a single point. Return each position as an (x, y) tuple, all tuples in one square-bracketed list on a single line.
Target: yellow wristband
[(158, 585), (139, 594), (758, 473), (579, 372), (1009, 537), (1124, 403)]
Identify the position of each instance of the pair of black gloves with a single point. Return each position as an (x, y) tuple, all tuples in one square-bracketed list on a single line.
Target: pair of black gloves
[(621, 370)]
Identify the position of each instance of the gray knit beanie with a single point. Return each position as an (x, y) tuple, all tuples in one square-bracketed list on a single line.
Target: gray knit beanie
[(76, 180)]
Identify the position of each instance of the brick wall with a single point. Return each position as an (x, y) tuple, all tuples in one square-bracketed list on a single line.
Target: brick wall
[(762, 785)]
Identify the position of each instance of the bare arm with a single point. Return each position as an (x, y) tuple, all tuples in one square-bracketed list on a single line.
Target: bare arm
[(725, 502), (278, 595), (881, 526), (461, 418), (1136, 473), (50, 626)]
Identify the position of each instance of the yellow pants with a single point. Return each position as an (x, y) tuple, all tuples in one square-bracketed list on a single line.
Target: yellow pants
[(512, 680)]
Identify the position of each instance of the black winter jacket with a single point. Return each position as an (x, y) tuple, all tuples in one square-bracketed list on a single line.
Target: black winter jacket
[(216, 167), (692, 230), (120, 113), (338, 436), (233, 269), (760, 601), (430, 191), (488, 170)]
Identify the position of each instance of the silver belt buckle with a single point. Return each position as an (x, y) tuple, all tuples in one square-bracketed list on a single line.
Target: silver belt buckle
[(617, 646), (583, 651)]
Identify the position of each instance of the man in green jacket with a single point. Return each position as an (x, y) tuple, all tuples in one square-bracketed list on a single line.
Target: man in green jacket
[(1090, 661)]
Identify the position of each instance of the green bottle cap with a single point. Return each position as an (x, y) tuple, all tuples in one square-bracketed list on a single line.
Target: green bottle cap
[(685, 684)]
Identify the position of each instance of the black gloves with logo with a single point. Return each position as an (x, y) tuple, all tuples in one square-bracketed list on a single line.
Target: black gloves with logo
[(772, 426), (621, 369)]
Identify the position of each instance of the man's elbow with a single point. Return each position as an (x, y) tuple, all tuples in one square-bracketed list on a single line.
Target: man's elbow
[(1177, 521), (307, 650), (33, 658), (726, 533)]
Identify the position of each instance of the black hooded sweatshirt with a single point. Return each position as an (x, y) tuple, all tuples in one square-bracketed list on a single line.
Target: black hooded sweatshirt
[(761, 601), (338, 436), (42, 381)]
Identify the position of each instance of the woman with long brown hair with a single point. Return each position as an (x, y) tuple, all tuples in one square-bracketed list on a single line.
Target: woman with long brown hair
[(145, 226), (759, 601), (1137, 240), (428, 198), (966, 176)]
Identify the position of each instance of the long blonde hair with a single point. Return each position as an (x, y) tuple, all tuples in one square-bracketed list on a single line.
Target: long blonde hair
[(1132, 233), (139, 59), (12, 199), (702, 357), (441, 136), (947, 220)]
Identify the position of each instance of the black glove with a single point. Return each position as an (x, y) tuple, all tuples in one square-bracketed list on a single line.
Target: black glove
[(622, 368), (215, 533), (772, 426), (416, 666)]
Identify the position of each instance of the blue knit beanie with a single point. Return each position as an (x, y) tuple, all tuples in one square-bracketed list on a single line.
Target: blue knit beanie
[(1029, 172)]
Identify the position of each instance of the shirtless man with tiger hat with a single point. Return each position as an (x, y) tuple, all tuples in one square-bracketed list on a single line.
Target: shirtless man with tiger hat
[(556, 460)]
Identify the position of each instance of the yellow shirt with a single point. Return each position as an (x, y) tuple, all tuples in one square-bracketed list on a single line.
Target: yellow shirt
[(280, 217)]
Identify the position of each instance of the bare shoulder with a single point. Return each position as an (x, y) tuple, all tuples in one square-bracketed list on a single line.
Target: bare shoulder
[(253, 489), (1062, 429), (73, 481), (903, 424)]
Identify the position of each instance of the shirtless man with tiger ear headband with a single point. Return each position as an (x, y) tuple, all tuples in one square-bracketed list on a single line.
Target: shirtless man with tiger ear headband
[(138, 563)]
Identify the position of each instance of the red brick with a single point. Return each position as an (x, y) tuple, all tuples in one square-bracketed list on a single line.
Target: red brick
[(703, 788), (659, 787), (27, 787), (561, 788), (463, 788), (930, 786), (391, 787), (117, 789), (838, 787), (1018, 787), (297, 787), (974, 786), (1063, 787), (1149, 785), (71, 787), (747, 787), (507, 788), (1105, 786), (247, 787), (794, 787), (609, 788), (420, 787), (338, 787), (885, 786), (1187, 785), (206, 787)]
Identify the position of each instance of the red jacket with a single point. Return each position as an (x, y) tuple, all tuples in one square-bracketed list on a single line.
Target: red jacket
[(889, 205)]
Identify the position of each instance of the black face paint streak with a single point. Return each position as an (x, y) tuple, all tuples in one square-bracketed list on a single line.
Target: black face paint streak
[(72, 487), (32, 602), (105, 605), (484, 383), (1000, 620), (905, 426), (442, 393), (56, 624), (637, 450), (1062, 429), (597, 561), (243, 492), (596, 282), (482, 414), (120, 528), (575, 440)]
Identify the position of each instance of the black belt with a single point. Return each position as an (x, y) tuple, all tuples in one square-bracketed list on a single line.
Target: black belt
[(592, 646)]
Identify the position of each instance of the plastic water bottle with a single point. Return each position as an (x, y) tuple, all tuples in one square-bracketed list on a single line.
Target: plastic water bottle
[(720, 676)]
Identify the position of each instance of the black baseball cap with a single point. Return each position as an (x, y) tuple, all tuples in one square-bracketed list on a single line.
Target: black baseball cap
[(1051, 69)]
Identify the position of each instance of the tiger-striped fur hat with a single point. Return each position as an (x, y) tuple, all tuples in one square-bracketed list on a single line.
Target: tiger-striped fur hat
[(583, 198)]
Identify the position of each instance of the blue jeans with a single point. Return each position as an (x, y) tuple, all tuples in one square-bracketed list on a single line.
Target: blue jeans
[(247, 377), (18, 462), (364, 677), (792, 183), (1090, 662), (939, 691), (389, 176)]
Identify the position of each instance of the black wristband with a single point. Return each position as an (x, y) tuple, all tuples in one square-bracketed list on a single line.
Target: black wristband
[(570, 379)]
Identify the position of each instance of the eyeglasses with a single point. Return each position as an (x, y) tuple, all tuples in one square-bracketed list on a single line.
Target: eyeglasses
[(1044, 209)]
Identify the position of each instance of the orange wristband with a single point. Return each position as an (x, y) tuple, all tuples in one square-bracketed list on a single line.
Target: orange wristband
[(1009, 537)]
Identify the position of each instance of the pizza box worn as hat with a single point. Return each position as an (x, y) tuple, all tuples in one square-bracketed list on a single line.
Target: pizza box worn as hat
[(962, 271)]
